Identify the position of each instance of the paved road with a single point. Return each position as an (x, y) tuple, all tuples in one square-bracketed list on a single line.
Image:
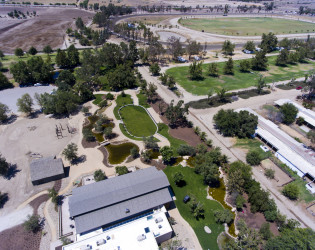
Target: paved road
[(203, 119), (10, 96)]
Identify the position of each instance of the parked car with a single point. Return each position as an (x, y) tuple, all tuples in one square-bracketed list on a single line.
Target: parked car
[(181, 59), (37, 84), (299, 87), (197, 58), (186, 199)]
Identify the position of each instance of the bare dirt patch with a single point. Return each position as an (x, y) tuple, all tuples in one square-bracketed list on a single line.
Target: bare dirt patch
[(47, 28)]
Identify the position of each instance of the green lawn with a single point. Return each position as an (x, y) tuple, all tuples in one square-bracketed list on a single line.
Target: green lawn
[(195, 188), (175, 143), (98, 99), (239, 80), (137, 121), (121, 101), (143, 100), (248, 26), (252, 144)]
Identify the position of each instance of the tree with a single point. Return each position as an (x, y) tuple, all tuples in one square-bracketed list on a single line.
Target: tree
[(167, 154), (18, 52), (175, 47), (121, 170), (213, 69), (253, 158), (73, 56), (260, 61), (155, 69), (265, 231), (289, 113), (65, 240), (193, 48), (178, 178), (311, 135), (25, 104), (134, 152), (245, 65), (150, 143), (229, 67), (65, 80), (4, 82), (283, 58), (108, 132), (260, 84), (291, 191), (196, 208), (88, 135), (62, 60), (71, 152), (4, 166), (228, 48), (151, 92), (4, 109), (184, 149), (47, 49), (122, 77), (223, 216), (79, 23), (32, 224), (268, 42), (99, 175), (176, 113), (195, 70), (32, 51), (270, 173), (1, 54), (109, 96), (239, 202), (53, 194), (164, 78), (249, 45), (239, 174)]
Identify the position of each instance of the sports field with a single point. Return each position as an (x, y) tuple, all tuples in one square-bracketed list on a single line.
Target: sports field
[(137, 121), (248, 26), (239, 80)]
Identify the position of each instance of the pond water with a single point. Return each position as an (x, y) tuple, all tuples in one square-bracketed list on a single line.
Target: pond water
[(190, 161), (118, 153), (164, 35), (218, 194), (154, 154), (98, 136)]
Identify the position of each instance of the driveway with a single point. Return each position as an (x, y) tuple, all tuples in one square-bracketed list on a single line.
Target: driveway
[(10, 96)]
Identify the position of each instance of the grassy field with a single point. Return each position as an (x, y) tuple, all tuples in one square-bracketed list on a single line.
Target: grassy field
[(98, 99), (143, 100), (137, 121), (195, 188), (252, 145), (121, 101), (175, 143), (248, 26), (239, 80)]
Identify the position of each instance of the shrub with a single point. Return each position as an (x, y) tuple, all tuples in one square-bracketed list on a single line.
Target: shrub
[(99, 175), (270, 173), (121, 170), (109, 96), (300, 121), (32, 224), (134, 152), (178, 178), (265, 231), (289, 112), (239, 202), (88, 135), (223, 216), (253, 158), (291, 191), (186, 150)]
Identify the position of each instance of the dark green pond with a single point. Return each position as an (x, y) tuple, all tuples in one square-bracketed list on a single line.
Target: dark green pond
[(118, 153), (218, 194), (154, 154)]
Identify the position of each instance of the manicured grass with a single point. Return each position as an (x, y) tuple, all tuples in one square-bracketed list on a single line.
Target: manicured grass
[(252, 145), (195, 188), (239, 80), (98, 99), (143, 100), (248, 26), (121, 101), (175, 143), (137, 121)]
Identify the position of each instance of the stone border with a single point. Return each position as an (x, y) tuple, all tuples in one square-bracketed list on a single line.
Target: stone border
[(122, 122)]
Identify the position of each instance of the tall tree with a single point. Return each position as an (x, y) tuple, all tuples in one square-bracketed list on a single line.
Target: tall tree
[(79, 23), (32, 51), (213, 69), (268, 42), (289, 113), (4, 82), (4, 110), (229, 67), (176, 113), (47, 49), (195, 70), (250, 45), (73, 56), (18, 52), (261, 84), (228, 47), (260, 61), (175, 47), (193, 48), (25, 104), (62, 59)]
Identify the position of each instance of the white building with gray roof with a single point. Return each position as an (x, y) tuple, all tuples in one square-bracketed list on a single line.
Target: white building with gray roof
[(104, 204)]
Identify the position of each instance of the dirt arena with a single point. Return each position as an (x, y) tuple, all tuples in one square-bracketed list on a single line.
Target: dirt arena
[(47, 28)]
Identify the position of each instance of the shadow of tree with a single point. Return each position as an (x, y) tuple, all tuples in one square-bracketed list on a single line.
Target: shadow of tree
[(4, 197), (12, 171)]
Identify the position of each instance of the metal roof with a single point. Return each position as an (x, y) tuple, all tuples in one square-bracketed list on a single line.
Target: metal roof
[(115, 190), (46, 167), (117, 212)]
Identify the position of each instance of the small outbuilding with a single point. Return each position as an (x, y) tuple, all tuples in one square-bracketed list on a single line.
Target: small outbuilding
[(46, 169)]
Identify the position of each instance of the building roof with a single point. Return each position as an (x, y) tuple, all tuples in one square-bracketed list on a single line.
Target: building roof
[(308, 115), (294, 152), (106, 201), (45, 168)]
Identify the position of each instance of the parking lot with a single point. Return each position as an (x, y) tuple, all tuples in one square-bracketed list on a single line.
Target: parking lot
[(9, 96)]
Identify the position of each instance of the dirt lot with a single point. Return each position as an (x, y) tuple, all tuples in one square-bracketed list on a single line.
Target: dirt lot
[(47, 28), (35, 135)]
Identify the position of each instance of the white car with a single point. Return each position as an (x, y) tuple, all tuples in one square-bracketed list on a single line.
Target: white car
[(37, 84)]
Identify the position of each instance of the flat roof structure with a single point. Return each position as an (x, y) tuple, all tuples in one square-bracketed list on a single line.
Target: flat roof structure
[(46, 169), (142, 234), (306, 114), (292, 153), (107, 202)]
